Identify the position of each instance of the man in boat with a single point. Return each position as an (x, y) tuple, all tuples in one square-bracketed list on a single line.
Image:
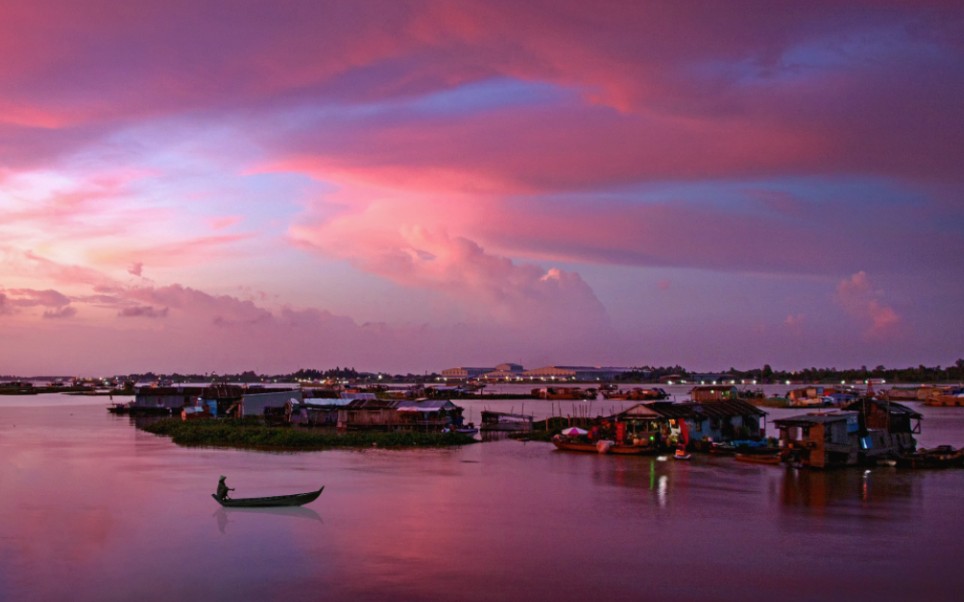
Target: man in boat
[(223, 488)]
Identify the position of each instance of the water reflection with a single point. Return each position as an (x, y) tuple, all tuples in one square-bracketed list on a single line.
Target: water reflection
[(225, 515), (821, 489)]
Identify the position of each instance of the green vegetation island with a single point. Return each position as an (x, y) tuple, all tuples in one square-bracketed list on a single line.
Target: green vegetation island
[(252, 433)]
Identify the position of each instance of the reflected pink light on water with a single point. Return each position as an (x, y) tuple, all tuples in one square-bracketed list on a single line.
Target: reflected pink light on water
[(117, 513)]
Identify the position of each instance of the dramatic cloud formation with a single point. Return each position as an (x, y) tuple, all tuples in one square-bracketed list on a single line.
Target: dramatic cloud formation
[(410, 185), (857, 296)]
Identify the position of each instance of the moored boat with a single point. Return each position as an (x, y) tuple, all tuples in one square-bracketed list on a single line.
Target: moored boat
[(950, 397), (631, 449), (942, 456), (505, 421), (296, 499), (758, 458), (580, 444)]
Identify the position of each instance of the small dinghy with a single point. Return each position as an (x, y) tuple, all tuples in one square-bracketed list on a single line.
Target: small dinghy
[(296, 499)]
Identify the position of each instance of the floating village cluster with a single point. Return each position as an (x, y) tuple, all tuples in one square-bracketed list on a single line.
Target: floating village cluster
[(838, 426)]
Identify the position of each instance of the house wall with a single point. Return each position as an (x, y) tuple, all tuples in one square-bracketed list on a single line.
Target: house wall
[(255, 403)]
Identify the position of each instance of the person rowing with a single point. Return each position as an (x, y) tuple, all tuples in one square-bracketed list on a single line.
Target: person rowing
[(223, 488)]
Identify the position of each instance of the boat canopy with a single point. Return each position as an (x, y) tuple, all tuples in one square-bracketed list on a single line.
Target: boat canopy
[(574, 430)]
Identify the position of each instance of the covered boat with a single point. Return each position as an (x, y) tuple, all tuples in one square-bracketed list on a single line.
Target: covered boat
[(296, 499), (576, 439), (942, 456)]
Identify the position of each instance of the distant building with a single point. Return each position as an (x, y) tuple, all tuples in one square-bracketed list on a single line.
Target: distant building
[(464, 373), (505, 371), (581, 373)]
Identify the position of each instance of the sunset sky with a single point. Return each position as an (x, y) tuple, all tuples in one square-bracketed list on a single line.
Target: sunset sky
[(407, 186)]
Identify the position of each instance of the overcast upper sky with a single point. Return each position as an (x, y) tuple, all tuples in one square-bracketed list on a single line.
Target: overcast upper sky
[(218, 186)]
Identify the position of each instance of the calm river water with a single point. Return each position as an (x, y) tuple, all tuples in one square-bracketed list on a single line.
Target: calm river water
[(93, 509)]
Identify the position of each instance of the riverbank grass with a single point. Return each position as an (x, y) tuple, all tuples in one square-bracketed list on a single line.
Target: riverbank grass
[(252, 434)]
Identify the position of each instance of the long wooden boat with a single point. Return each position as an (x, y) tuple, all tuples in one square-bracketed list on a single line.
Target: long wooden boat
[(759, 458), (628, 449), (296, 499), (567, 444)]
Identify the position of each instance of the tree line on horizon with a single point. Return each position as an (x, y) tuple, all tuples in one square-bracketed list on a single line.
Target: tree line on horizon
[(763, 375)]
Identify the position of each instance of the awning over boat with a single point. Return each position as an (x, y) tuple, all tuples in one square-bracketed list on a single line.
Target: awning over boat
[(574, 430)]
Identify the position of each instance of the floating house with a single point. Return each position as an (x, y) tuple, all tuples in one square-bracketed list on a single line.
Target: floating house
[(506, 421), (642, 425), (399, 415), (255, 403), (635, 394), (821, 440), (820, 395), (564, 393), (713, 393), (713, 421), (171, 399), (886, 428)]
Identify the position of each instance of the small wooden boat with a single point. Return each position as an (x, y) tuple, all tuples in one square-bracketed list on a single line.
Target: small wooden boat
[(296, 499), (758, 458)]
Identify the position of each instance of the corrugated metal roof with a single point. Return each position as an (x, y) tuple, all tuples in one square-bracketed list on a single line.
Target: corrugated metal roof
[(892, 407), (372, 404), (425, 405), (722, 408), (806, 419), (640, 410)]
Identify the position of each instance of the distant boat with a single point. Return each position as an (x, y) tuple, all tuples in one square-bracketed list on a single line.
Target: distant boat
[(296, 499), (951, 397)]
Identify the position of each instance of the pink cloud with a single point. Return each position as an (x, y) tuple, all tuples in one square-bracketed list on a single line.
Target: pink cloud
[(694, 92), (31, 298), (63, 312), (795, 322), (172, 252), (859, 298), (487, 285), (472, 152), (225, 221), (143, 311)]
